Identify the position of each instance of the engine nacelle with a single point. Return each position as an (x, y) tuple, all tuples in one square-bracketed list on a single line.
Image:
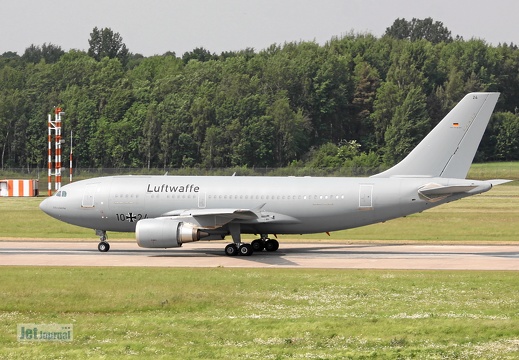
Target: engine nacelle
[(165, 233)]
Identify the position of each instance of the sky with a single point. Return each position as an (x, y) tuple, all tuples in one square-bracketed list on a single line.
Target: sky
[(154, 27)]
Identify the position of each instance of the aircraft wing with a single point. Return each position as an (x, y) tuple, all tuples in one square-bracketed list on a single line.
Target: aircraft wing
[(212, 218), (231, 213), (216, 218)]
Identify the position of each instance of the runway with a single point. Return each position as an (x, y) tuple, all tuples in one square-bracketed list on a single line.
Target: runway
[(290, 255)]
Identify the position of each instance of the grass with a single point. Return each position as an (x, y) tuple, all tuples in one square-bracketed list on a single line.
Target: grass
[(273, 313), (262, 313), (487, 218), (495, 170)]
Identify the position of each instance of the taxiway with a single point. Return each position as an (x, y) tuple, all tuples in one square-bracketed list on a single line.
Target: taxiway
[(290, 255)]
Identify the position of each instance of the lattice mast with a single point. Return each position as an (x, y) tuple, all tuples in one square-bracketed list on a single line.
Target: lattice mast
[(54, 127), (70, 157)]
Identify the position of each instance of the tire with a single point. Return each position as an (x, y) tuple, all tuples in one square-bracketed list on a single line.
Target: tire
[(258, 245), (103, 246), (231, 250), (246, 250), (271, 245)]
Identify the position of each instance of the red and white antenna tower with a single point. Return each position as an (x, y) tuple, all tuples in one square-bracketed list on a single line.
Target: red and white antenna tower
[(70, 157), (54, 126)]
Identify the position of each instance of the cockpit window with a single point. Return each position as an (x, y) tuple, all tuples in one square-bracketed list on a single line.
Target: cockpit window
[(61, 194)]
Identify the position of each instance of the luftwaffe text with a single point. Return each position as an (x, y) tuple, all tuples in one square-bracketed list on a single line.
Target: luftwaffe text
[(165, 188)]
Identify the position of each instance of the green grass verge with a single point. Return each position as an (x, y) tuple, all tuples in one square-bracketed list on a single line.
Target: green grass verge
[(487, 218), (262, 313), (495, 170)]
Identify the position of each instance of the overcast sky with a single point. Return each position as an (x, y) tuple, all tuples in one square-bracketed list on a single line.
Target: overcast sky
[(152, 27)]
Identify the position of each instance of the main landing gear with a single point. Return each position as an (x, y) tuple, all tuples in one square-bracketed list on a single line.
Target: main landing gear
[(103, 246), (264, 243)]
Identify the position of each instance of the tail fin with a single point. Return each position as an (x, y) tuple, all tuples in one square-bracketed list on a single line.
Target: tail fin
[(448, 150)]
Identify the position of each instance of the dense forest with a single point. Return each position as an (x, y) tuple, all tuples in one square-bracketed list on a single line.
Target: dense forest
[(357, 100)]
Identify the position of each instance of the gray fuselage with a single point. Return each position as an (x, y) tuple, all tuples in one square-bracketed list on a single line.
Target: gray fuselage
[(285, 205)]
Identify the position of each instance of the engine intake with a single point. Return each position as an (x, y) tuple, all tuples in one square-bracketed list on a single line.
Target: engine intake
[(165, 233)]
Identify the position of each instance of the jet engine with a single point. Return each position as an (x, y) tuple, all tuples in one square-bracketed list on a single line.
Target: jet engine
[(166, 233)]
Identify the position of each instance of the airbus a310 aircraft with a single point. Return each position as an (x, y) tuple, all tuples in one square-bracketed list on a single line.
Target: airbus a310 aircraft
[(168, 211)]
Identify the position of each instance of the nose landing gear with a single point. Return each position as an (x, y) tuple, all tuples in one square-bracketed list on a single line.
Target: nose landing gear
[(103, 246)]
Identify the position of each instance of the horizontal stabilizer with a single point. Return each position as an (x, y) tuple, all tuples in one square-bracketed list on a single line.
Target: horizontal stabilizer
[(496, 182), (436, 192)]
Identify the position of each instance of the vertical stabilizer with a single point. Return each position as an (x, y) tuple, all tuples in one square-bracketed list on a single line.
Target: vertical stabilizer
[(448, 150)]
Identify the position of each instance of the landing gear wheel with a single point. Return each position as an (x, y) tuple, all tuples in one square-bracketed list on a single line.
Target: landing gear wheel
[(246, 250), (231, 250), (258, 245), (103, 246), (271, 245)]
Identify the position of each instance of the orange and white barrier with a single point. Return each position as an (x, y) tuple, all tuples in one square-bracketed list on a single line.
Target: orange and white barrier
[(18, 188)]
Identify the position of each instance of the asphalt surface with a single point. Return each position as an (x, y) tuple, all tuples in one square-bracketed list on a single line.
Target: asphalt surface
[(289, 255)]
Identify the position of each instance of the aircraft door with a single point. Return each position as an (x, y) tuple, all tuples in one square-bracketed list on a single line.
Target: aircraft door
[(202, 200), (89, 196), (366, 196)]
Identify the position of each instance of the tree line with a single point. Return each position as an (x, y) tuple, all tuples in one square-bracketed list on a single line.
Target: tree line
[(358, 100)]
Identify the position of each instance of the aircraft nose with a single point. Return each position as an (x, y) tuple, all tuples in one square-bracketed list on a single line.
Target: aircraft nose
[(48, 206), (45, 205)]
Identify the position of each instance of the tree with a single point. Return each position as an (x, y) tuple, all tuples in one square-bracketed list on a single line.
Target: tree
[(266, 109), (416, 29), (408, 127), (401, 29), (50, 53), (291, 130), (507, 139), (199, 54), (106, 43), (367, 80), (389, 96)]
